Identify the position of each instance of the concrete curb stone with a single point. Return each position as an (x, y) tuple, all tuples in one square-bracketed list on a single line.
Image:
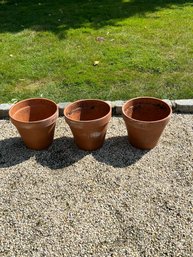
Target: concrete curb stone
[(4, 110), (185, 106), (118, 107), (181, 105), (61, 107)]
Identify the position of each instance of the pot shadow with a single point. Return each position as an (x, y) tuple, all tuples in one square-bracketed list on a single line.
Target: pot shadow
[(62, 153), (118, 152), (13, 151)]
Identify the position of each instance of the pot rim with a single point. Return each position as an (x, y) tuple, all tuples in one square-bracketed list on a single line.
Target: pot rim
[(87, 121), (38, 121), (147, 97)]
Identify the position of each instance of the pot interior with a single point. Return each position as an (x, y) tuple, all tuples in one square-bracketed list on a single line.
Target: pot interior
[(87, 110), (33, 110), (147, 110)]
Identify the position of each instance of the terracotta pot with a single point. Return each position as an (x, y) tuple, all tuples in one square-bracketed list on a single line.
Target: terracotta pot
[(145, 119), (88, 120), (35, 120)]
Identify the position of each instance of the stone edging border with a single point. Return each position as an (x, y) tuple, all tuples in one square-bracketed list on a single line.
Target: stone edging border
[(182, 106)]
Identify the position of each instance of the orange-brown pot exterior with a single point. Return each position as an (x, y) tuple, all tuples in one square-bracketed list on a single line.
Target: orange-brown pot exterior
[(35, 120), (145, 119), (88, 120)]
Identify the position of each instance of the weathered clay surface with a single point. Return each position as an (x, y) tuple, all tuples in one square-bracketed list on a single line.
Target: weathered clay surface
[(145, 119), (88, 120), (35, 121)]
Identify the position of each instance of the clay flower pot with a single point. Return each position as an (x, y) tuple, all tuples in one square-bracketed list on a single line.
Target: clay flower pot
[(88, 120), (145, 119), (35, 120)]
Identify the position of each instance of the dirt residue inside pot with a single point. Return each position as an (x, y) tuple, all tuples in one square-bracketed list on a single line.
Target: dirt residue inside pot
[(147, 112)]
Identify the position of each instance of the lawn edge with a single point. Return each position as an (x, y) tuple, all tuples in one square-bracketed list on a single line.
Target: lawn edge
[(179, 106)]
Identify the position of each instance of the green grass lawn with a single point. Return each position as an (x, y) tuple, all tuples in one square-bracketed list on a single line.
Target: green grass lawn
[(47, 48)]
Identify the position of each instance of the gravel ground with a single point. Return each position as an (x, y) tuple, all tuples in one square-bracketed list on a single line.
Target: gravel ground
[(116, 201)]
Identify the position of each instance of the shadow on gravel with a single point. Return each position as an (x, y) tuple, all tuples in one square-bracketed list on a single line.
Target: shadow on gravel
[(62, 153), (13, 151), (118, 153)]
